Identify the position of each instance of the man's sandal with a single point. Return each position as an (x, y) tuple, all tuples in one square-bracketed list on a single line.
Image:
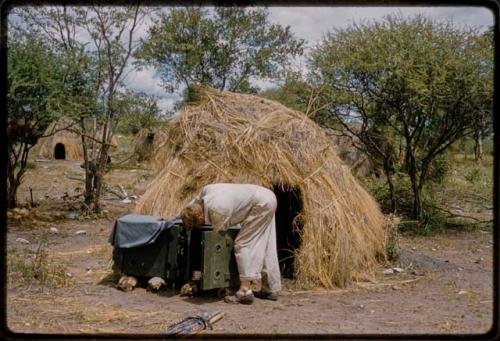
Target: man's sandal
[(240, 298), (273, 296)]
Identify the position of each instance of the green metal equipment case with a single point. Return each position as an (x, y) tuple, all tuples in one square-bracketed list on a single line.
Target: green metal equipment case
[(211, 258)]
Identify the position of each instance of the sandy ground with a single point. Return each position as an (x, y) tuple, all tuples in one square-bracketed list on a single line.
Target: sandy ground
[(446, 286)]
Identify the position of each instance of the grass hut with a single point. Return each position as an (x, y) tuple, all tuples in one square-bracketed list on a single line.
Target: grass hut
[(345, 148), (147, 141), (60, 143), (330, 231)]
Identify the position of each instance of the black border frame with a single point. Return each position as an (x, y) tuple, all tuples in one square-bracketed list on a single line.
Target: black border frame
[(492, 334)]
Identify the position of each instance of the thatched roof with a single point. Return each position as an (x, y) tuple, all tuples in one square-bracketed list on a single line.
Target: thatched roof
[(147, 141), (345, 146), (66, 133), (228, 137), (71, 141)]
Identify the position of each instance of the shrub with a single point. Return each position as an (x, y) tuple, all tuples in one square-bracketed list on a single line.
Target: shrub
[(439, 168), (433, 218), (473, 175)]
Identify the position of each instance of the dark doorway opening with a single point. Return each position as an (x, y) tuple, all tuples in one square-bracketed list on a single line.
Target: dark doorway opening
[(287, 227), (59, 152)]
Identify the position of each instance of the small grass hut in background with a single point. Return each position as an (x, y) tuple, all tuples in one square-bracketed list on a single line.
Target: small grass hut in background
[(147, 141), (345, 148), (329, 229), (60, 143)]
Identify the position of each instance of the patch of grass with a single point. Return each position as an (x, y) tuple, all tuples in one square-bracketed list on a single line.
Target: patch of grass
[(473, 175), (26, 267)]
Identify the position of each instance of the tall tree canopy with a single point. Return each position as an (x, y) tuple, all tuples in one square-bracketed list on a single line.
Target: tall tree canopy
[(412, 84), (223, 47)]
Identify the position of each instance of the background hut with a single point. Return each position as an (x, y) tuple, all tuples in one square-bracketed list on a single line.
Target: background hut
[(345, 147), (63, 142), (61, 145), (329, 229), (147, 141)]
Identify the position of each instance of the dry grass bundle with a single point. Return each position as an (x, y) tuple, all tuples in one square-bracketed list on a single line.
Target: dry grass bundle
[(147, 141), (71, 141), (236, 138)]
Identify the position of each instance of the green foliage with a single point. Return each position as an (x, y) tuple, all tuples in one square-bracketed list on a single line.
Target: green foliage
[(427, 84), (222, 47), (432, 218), (440, 167), (34, 77), (473, 175), (403, 193), (137, 111), (294, 93)]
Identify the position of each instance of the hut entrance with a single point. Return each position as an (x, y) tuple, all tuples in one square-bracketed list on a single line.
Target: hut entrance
[(59, 152), (287, 231)]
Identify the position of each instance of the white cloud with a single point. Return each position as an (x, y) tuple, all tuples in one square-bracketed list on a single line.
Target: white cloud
[(167, 102), (145, 80), (312, 23)]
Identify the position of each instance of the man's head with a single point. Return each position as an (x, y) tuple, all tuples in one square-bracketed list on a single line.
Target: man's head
[(193, 216)]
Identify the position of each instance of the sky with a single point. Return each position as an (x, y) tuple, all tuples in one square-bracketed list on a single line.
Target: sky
[(312, 23)]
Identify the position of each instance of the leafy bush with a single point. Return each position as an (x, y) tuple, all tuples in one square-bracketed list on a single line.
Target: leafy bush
[(473, 175), (433, 218), (439, 168)]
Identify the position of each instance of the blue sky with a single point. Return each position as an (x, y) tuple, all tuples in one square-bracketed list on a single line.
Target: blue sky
[(312, 23)]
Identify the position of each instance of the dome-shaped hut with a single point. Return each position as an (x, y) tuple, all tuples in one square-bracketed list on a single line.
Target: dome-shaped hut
[(147, 141), (61, 143), (329, 229)]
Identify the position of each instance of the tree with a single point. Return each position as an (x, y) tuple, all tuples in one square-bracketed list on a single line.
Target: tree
[(34, 78), (97, 43), (484, 125), (138, 110), (224, 47), (414, 86)]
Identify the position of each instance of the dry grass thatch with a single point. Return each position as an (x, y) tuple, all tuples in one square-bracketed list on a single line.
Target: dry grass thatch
[(236, 138), (147, 141), (72, 142), (345, 147), (65, 133)]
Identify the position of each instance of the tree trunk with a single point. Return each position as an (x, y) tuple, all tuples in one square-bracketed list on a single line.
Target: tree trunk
[(388, 175), (99, 176), (478, 146), (89, 168), (12, 187), (13, 178), (102, 162), (417, 209)]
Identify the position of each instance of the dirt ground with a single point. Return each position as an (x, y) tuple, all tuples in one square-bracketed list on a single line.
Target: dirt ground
[(446, 285)]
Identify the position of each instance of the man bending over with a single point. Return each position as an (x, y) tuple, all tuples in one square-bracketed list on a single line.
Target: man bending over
[(253, 207)]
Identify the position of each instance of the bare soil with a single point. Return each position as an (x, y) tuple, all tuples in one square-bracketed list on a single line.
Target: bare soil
[(446, 285)]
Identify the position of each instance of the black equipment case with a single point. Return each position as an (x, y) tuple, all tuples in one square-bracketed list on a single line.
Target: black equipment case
[(146, 246)]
